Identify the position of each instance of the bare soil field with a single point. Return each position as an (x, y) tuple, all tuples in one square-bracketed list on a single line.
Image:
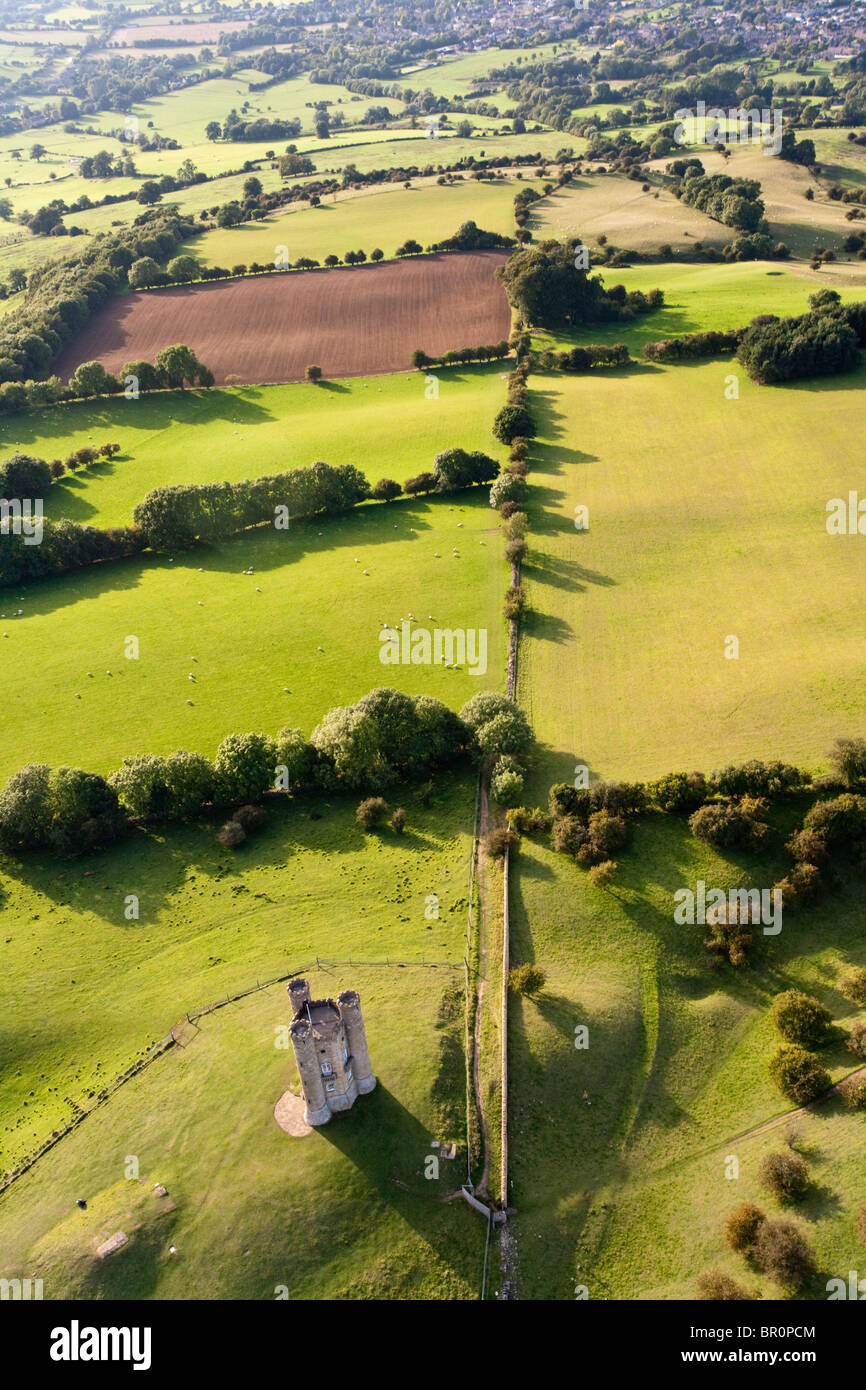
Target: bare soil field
[(269, 328)]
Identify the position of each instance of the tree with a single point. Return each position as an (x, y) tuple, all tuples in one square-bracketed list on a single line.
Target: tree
[(508, 488), (526, 979), (252, 187), (229, 215), (323, 125), (497, 725), (37, 152), (184, 268), (144, 272), (410, 248), (149, 192), (245, 767), (377, 254), (314, 373), (798, 1074), (84, 811), (187, 171), (730, 825), (213, 130), (398, 820), (189, 782), (371, 811), (800, 1018), (385, 490), (91, 379), (177, 364), (24, 818), (24, 475), (513, 422)]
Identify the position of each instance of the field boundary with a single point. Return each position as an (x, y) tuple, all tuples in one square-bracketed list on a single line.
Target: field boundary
[(174, 1036)]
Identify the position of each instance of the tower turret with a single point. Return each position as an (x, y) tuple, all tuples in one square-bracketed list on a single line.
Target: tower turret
[(353, 1021)]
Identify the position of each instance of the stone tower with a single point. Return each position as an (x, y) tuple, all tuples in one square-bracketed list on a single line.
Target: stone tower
[(330, 1049)]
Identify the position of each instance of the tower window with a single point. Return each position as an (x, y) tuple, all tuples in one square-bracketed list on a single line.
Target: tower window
[(330, 1086), (326, 1069)]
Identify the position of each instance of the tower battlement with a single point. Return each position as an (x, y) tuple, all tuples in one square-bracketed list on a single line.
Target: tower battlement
[(330, 1047)]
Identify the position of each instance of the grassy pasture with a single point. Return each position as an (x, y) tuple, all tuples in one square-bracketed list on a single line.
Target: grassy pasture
[(384, 217), (196, 1111), (212, 922), (707, 518), (628, 217), (628, 1194), (699, 297), (251, 646), (386, 425)]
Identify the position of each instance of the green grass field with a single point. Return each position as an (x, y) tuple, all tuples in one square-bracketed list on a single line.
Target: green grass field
[(386, 425), (706, 519), (272, 648), (627, 1194), (212, 924), (429, 214)]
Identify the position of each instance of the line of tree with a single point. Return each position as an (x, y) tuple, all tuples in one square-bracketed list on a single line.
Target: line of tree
[(173, 368), (453, 470), (691, 346), (26, 477), (582, 359), (385, 738), (489, 352)]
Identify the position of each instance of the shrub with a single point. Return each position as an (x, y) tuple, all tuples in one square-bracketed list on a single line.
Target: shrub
[(854, 986), (371, 811), (716, 1287), (244, 767), (501, 838), (841, 822), (860, 1226), (742, 1225), (799, 886), (526, 979), (730, 825), (605, 833), (514, 551), (250, 818), (506, 786), (678, 791), (856, 1042), (848, 759), (398, 819), (232, 834), (798, 1074), (515, 601), (800, 1018), (602, 875), (783, 1253), (785, 1174), (853, 1093), (314, 373)]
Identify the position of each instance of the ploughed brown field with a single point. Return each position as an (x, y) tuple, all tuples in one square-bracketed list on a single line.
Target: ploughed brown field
[(270, 328)]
